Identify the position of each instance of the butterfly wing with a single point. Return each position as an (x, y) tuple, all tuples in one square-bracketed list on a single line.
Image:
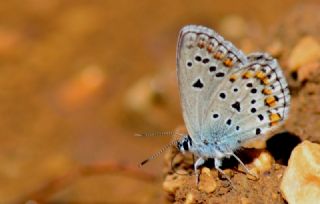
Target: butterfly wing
[(227, 98), (257, 100), (204, 59)]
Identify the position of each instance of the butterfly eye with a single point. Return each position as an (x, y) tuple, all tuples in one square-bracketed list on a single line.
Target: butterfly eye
[(185, 145)]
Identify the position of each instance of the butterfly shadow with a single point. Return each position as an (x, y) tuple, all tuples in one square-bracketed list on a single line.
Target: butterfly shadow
[(280, 147)]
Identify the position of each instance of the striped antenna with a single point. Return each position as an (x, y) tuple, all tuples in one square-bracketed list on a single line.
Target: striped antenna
[(157, 154), (152, 134)]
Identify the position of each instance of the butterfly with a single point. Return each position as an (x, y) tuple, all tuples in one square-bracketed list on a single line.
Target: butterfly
[(227, 97)]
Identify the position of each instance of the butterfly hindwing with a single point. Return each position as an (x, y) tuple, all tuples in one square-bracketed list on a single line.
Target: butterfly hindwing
[(257, 101)]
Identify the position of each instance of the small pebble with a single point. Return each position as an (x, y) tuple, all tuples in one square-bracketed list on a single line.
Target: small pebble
[(189, 199), (263, 162), (207, 183)]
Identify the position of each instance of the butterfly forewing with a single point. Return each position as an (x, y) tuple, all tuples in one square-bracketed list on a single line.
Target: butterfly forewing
[(204, 60)]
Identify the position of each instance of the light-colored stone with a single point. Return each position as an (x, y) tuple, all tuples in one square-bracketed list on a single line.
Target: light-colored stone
[(301, 180), (306, 51), (207, 183), (189, 199), (263, 162)]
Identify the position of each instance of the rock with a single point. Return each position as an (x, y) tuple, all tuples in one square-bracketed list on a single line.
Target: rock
[(263, 162), (306, 51), (301, 180), (207, 183)]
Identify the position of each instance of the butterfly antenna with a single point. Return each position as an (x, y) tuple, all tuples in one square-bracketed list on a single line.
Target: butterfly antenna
[(168, 133), (157, 154)]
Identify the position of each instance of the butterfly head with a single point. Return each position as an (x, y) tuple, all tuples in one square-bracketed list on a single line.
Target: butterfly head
[(184, 144)]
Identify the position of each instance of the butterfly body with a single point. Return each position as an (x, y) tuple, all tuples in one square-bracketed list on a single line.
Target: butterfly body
[(227, 97)]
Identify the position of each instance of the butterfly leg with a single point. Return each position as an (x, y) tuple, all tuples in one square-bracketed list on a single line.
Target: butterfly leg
[(198, 163), (242, 164), (217, 164)]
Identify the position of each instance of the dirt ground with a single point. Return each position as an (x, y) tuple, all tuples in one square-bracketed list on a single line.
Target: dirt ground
[(303, 123), (79, 78)]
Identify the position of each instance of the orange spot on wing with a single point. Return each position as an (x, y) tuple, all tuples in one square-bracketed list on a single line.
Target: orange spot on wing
[(265, 81), (218, 55), (266, 91), (270, 101), (233, 78), (201, 44), (260, 75), (274, 118), (228, 62), (247, 75), (210, 48)]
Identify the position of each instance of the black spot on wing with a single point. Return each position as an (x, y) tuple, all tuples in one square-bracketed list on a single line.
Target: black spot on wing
[(205, 60), (222, 95), (198, 84), (254, 90), (212, 68), (258, 131), (236, 105), (215, 115), (220, 74), (197, 58)]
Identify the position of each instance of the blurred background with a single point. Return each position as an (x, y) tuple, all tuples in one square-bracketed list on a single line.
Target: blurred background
[(79, 78)]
